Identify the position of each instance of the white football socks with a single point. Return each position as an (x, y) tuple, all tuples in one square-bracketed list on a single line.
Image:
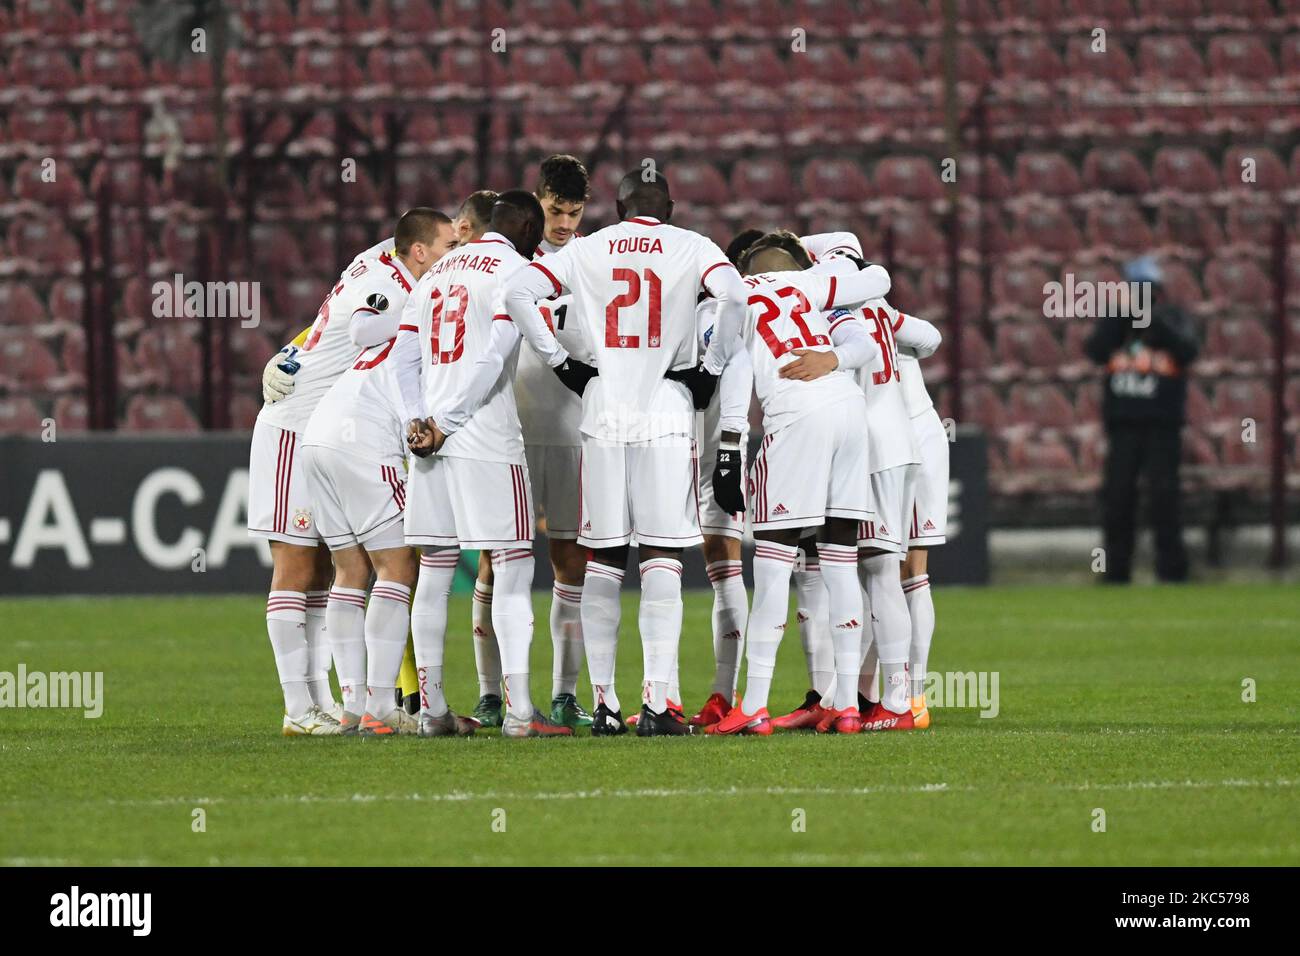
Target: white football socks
[(773, 564), (286, 626), (566, 638), (318, 650), (660, 623), (920, 605), (387, 620), (345, 615), (512, 619), (891, 626), (730, 618), (487, 656), (601, 612), (812, 613), (429, 624), (839, 566)]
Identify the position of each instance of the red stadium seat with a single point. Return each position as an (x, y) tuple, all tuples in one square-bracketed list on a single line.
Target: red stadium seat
[(176, 355), (1266, 168), (36, 241), (1170, 62), (972, 65), (1018, 292), (1114, 170), (31, 185), (47, 70), (338, 18), (66, 298), (244, 410), (159, 413), (542, 66), (890, 60), (620, 65), (907, 177), (1236, 283), (1245, 343), (604, 16), (1238, 14), (42, 129), (1181, 286), (474, 18), (998, 184), (1085, 66), (1237, 399), (1039, 453), (1046, 227), (408, 21), (266, 70), (761, 180), (1029, 58), (1043, 406), (1199, 410), (1166, 14), (72, 413), (1241, 57), (27, 365), (1289, 76), (1049, 174), (20, 416), (110, 126), (1118, 227), (46, 18), (1183, 170), (269, 242), (127, 182), (20, 305), (1032, 345), (114, 70), (108, 18), (272, 19), (984, 407), (680, 18), (835, 180), (825, 63), (1191, 231), (917, 241), (324, 69), (697, 182), (400, 66), (547, 16), (751, 63), (1251, 224)]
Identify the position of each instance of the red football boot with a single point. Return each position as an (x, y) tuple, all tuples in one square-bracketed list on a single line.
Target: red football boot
[(846, 721), (881, 718), (738, 722), (714, 709), (803, 717)]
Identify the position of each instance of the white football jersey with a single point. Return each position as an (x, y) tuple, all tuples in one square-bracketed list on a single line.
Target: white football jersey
[(915, 395), (370, 284), (550, 413), (788, 311), (453, 308), (888, 424), (825, 244), (635, 286), (363, 413)]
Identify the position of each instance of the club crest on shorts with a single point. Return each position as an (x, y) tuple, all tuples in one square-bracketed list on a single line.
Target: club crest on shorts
[(301, 519)]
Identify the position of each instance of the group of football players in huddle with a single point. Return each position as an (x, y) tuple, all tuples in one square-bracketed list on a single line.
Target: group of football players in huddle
[(473, 378)]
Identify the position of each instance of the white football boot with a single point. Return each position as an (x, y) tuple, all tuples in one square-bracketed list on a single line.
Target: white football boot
[(314, 723)]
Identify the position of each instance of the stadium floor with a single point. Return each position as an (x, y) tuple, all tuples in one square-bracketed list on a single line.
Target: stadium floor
[(1124, 701)]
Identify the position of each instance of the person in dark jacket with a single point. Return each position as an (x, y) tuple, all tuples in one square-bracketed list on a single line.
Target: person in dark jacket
[(1146, 360)]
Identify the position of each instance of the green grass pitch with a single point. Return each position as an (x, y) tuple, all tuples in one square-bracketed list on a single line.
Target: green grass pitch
[(1127, 701)]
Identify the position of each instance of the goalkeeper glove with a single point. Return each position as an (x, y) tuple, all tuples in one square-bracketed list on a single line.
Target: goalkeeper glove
[(277, 377), (726, 480), (575, 375), (699, 381)]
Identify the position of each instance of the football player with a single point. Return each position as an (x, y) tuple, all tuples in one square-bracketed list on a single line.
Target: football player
[(634, 286), (280, 507), (474, 492), (549, 414), (812, 470)]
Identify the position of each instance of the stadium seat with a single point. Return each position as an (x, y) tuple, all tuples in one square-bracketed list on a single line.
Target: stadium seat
[(751, 63), (272, 19), (1085, 66), (1182, 171), (617, 65), (158, 413), (1018, 292), (244, 410), (604, 17), (907, 177), (175, 353), (1044, 230), (328, 19), (1188, 231), (66, 298), (1251, 224), (20, 416), (26, 365), (889, 60), (761, 180), (697, 182), (679, 18), (41, 130), (835, 180), (31, 185), (20, 306), (115, 70), (984, 407), (1237, 283), (1029, 58), (1169, 62), (41, 19), (916, 239), (109, 126), (1241, 57), (474, 18), (317, 70), (109, 19), (825, 63), (972, 65), (1118, 228), (409, 21), (1238, 14), (1181, 286), (49, 71), (35, 241), (1110, 169), (1247, 344), (682, 63), (390, 67), (1030, 345), (127, 182), (266, 70), (1048, 174), (1042, 406), (1266, 168), (539, 66)]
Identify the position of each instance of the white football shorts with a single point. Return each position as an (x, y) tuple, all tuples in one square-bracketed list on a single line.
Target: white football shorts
[(468, 502), (648, 489), (929, 525), (814, 468), (892, 490), (358, 502), (279, 500)]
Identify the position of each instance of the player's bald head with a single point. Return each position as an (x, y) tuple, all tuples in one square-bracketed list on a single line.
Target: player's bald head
[(518, 216), (644, 192)]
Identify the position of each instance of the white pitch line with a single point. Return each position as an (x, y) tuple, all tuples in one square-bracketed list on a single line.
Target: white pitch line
[(458, 796)]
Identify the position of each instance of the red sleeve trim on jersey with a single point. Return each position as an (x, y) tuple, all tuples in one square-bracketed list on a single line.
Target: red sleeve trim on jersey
[(832, 249), (645, 222), (547, 272), (830, 296), (899, 323), (501, 317), (841, 320), (365, 308), (408, 328), (705, 276)]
